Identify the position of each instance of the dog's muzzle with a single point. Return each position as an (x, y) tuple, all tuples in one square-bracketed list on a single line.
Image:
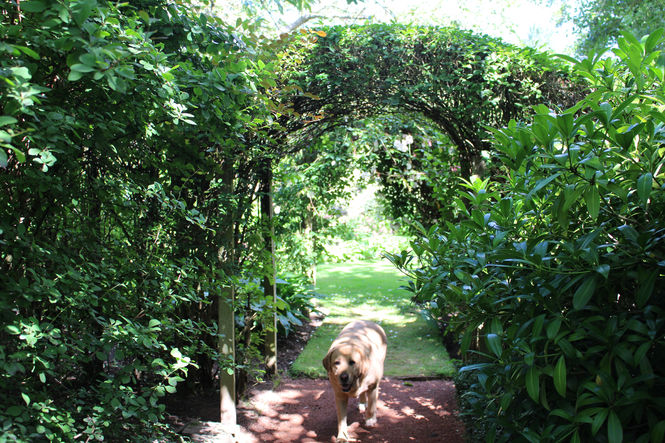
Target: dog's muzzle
[(345, 382)]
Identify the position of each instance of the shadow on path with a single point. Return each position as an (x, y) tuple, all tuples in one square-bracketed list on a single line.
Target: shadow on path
[(303, 410)]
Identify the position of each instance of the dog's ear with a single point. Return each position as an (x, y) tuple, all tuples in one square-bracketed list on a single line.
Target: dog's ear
[(326, 360)]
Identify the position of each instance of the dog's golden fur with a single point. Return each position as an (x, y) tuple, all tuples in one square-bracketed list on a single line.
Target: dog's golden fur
[(355, 367)]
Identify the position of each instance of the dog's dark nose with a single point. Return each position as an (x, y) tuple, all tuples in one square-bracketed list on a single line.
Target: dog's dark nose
[(344, 377)]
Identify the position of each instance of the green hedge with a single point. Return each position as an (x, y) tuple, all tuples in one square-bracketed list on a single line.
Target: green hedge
[(117, 121), (553, 279)]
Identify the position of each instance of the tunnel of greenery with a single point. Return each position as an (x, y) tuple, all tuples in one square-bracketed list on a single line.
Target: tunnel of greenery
[(144, 144)]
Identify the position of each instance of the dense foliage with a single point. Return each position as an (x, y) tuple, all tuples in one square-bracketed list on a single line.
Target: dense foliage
[(415, 164), (554, 277), (390, 154), (312, 186), (138, 143), (457, 80), (128, 152)]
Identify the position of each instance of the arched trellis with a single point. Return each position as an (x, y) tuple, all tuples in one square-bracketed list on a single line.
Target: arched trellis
[(460, 81)]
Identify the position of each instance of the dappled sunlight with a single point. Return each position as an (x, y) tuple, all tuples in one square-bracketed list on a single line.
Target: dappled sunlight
[(415, 345), (304, 411)]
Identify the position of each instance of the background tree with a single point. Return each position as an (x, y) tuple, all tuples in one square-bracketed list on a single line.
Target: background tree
[(599, 23)]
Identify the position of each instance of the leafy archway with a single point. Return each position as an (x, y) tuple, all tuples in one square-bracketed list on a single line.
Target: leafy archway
[(460, 81)]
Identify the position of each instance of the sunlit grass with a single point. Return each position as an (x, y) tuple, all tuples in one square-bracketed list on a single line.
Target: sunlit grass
[(370, 291)]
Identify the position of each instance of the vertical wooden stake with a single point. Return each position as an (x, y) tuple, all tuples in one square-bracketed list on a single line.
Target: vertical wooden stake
[(226, 315), (310, 241), (270, 279), (227, 348)]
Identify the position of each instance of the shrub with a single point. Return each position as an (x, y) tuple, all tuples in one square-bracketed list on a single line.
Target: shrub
[(553, 279), (297, 293)]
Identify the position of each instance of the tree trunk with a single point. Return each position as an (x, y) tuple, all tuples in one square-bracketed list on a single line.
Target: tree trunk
[(269, 278)]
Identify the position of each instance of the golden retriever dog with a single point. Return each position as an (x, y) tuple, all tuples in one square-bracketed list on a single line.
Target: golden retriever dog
[(355, 367)]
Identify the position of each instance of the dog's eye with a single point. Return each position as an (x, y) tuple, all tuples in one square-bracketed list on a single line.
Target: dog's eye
[(351, 362), (337, 363)]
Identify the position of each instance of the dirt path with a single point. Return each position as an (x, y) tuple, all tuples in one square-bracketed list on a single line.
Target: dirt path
[(303, 410)]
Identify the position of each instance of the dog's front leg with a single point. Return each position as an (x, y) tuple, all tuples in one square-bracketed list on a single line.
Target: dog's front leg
[(342, 402), (362, 402), (370, 412)]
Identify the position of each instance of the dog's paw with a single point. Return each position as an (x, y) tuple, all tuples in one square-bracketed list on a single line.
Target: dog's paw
[(370, 422)]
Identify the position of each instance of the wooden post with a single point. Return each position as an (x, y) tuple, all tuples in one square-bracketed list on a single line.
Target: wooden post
[(227, 382), (226, 315), (270, 277), (310, 241)]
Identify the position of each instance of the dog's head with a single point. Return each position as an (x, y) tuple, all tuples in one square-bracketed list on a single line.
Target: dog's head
[(346, 365)]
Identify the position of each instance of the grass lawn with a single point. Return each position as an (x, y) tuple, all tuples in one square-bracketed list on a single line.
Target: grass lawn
[(369, 291)]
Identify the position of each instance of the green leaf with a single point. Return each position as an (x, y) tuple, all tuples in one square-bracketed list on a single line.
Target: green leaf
[(541, 184), (647, 281), (629, 232), (33, 6), (653, 39), (592, 199), (584, 292), (88, 59), (144, 16), (21, 72), (603, 270), (467, 337), (27, 51), (564, 123), (475, 367), (494, 344), (6, 120), (533, 383), (26, 399), (14, 411), (80, 67), (576, 437), (644, 185), (614, 428), (559, 376), (641, 353), (74, 75), (658, 432), (599, 420), (82, 10), (5, 137), (553, 328)]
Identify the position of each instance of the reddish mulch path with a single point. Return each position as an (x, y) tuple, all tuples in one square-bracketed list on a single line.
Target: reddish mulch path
[(303, 410)]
